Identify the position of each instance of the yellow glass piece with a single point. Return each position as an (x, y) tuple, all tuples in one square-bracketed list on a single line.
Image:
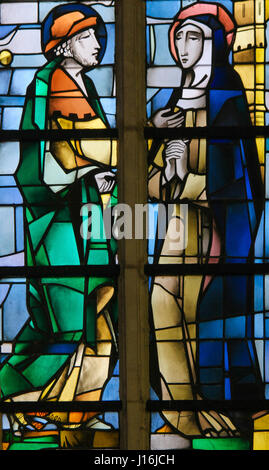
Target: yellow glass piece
[(260, 54), (202, 156), (162, 302), (104, 295), (194, 186), (181, 392), (106, 439), (192, 286), (169, 334), (260, 70), (246, 71), (68, 391), (261, 440), (101, 151), (261, 148), (6, 57), (262, 423), (172, 362)]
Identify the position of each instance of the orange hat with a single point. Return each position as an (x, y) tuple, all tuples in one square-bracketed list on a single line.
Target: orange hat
[(67, 25), (64, 21)]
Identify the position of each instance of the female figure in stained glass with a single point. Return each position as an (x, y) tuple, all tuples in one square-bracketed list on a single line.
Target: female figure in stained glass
[(219, 180)]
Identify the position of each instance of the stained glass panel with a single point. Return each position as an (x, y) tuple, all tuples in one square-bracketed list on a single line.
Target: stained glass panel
[(206, 71), (59, 339)]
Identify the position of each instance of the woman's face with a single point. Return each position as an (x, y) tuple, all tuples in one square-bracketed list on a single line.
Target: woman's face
[(189, 44)]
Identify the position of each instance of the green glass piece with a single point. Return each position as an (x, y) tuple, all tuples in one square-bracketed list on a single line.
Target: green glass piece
[(39, 227), (30, 445), (43, 368), (59, 235), (51, 312), (94, 282), (12, 382), (29, 253), (41, 87), (28, 214), (41, 257), (76, 283), (68, 307), (98, 257), (221, 444)]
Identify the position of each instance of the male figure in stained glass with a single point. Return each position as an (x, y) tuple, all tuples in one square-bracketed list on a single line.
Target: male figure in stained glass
[(66, 351)]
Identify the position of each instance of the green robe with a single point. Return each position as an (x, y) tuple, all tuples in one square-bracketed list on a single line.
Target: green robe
[(62, 310)]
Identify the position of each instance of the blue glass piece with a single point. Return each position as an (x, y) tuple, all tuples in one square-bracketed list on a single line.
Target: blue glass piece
[(20, 81), (238, 171), (212, 375), (237, 217), (5, 30), (10, 196), (236, 290), (109, 105), (211, 304), (117, 369), (11, 118), (226, 357), (12, 101), (162, 53), (266, 355), (109, 57), (5, 76), (103, 79), (7, 180), (9, 165), (227, 387), (218, 97), (111, 391), (106, 12), (266, 328), (239, 354), (259, 239), (156, 422), (211, 353), (212, 392), (113, 419), (60, 348), (4, 288), (19, 229), (211, 329), (252, 216), (15, 311), (251, 351), (162, 8), (28, 60), (266, 215), (160, 99), (258, 325), (235, 327), (148, 45), (220, 176), (7, 239), (248, 188)]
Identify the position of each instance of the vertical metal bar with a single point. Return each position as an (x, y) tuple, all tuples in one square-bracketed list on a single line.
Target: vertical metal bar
[(132, 179)]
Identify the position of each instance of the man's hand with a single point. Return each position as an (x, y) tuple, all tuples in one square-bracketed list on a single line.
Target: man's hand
[(105, 181), (176, 159), (165, 118)]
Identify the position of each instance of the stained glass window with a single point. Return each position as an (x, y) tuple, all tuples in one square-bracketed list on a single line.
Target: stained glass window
[(206, 111), (59, 339), (206, 149)]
